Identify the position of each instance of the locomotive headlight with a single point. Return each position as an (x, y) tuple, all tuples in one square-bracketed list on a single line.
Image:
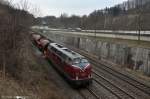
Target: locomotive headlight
[(77, 77), (89, 76)]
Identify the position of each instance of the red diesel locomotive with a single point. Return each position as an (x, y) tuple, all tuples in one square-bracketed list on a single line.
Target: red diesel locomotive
[(74, 66)]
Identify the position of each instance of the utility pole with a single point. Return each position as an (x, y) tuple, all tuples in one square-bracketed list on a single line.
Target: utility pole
[(96, 19), (4, 66), (139, 27), (105, 22), (95, 30), (105, 18), (139, 7), (139, 12)]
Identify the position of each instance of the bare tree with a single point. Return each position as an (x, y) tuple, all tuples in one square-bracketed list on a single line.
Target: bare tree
[(12, 37), (24, 5), (35, 11)]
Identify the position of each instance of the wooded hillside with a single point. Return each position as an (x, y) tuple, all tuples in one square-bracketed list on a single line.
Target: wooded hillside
[(130, 15)]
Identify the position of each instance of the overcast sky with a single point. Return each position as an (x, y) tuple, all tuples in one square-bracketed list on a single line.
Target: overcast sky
[(78, 7)]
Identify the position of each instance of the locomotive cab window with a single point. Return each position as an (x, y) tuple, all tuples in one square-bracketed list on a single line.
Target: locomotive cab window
[(68, 60), (76, 61), (81, 62), (84, 61)]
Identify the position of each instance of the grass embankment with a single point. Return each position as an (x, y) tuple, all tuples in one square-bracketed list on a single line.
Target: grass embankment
[(35, 80)]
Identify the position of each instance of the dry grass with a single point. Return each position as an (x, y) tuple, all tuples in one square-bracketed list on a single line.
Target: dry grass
[(26, 74), (34, 80)]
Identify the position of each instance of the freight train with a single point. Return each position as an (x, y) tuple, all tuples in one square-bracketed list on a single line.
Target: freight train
[(72, 65)]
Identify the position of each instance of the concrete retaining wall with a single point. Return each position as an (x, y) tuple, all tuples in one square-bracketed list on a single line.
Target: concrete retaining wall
[(135, 58)]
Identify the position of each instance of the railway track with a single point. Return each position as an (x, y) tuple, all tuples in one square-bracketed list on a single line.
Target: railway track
[(88, 93), (125, 78), (133, 91), (114, 89), (93, 93)]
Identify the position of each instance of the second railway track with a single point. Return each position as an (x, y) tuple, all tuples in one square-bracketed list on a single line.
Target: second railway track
[(125, 78), (114, 89)]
